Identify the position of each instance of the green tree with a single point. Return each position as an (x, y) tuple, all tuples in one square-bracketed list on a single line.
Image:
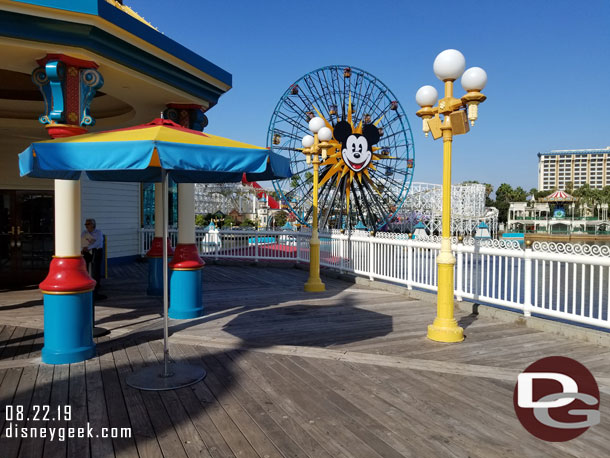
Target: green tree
[(294, 181), (228, 222), (280, 218), (203, 220), (518, 195)]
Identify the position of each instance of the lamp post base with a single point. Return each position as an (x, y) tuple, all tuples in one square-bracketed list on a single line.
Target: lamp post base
[(314, 286), (445, 330)]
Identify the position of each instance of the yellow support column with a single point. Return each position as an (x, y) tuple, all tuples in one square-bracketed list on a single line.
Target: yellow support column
[(445, 327)]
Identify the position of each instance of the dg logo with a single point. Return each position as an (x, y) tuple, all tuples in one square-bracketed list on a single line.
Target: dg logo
[(557, 399)]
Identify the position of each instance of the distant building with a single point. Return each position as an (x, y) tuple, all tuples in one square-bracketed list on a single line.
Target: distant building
[(559, 167)]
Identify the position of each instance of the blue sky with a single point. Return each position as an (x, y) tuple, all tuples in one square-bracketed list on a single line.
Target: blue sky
[(547, 64)]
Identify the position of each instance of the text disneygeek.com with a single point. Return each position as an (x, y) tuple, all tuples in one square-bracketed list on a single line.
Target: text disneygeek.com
[(16, 429)]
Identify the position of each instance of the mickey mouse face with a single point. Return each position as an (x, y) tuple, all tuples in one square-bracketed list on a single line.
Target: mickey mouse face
[(356, 153), (356, 149)]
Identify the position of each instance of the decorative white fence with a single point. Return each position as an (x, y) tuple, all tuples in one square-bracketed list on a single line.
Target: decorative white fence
[(559, 280)]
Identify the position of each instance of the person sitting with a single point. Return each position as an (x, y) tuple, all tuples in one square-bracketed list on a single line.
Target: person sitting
[(93, 252)]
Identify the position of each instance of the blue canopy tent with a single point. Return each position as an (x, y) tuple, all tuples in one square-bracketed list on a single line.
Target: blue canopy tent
[(154, 152)]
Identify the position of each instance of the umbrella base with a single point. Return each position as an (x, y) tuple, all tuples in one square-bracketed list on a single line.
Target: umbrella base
[(99, 332), (151, 378)]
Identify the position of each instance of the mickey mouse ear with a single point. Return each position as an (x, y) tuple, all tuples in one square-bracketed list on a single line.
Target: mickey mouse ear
[(342, 130), (371, 133)]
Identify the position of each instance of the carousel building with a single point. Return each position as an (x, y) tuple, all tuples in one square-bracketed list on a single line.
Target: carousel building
[(73, 67), (558, 213)]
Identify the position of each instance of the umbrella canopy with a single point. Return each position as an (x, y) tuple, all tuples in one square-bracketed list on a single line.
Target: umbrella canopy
[(558, 196), (139, 153)]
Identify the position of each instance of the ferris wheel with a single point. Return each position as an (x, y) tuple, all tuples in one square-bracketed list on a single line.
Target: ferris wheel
[(356, 191)]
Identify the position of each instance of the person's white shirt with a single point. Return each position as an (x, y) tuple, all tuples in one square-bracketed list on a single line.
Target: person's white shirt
[(92, 240)]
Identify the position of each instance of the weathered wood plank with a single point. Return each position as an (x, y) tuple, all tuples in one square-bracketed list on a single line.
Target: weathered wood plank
[(59, 398), (341, 434), (117, 412), (17, 389), (78, 447), (231, 381), (212, 438), (141, 426), (191, 441), (223, 420), (33, 448), (168, 438), (96, 406), (292, 428)]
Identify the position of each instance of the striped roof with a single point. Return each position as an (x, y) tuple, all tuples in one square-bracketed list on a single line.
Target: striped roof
[(558, 196)]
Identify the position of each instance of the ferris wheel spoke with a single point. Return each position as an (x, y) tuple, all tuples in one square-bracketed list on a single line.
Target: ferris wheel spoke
[(293, 121), (359, 209), (367, 103), (331, 93), (296, 109), (378, 202), (372, 217), (323, 201), (331, 206), (288, 134)]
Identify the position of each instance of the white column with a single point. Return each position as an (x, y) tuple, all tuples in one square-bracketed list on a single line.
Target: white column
[(67, 218), (158, 210), (186, 213)]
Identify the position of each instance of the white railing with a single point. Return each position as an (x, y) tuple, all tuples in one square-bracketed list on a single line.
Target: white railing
[(559, 280)]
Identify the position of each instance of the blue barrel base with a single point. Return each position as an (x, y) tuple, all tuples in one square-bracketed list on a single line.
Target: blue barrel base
[(155, 277), (67, 357), (185, 294), (68, 328)]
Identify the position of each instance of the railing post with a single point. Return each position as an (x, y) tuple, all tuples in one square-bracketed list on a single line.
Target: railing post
[(297, 238), (527, 280), (141, 240), (371, 254), (256, 247), (460, 268), (409, 262), (341, 252)]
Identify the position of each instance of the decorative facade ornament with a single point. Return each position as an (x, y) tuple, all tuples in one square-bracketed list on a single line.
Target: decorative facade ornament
[(68, 86), (188, 116)]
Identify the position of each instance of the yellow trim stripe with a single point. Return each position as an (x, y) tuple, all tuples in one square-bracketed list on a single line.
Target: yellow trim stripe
[(59, 293)]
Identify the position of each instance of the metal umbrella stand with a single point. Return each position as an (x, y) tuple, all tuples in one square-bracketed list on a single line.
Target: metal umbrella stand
[(171, 375)]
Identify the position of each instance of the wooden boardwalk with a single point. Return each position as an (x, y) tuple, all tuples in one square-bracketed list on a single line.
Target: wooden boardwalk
[(345, 373)]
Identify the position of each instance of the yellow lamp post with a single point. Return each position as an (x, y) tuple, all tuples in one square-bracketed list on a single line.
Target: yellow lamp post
[(312, 145), (449, 66)]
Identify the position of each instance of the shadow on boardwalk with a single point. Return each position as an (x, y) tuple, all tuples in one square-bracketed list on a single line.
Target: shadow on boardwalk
[(345, 373)]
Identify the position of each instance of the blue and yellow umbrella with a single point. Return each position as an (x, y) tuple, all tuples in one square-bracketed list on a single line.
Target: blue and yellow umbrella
[(140, 153)]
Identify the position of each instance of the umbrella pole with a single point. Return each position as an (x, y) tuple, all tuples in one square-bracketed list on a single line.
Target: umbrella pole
[(174, 375), (164, 189)]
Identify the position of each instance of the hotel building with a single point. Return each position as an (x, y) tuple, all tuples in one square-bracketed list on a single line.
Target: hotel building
[(559, 167)]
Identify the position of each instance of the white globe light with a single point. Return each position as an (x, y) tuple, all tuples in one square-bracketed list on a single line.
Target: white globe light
[(474, 79), (315, 124), (449, 65), (307, 141), (426, 96), (325, 134)]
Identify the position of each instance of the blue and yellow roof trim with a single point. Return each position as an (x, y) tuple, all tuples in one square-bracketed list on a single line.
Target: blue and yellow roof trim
[(107, 30)]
